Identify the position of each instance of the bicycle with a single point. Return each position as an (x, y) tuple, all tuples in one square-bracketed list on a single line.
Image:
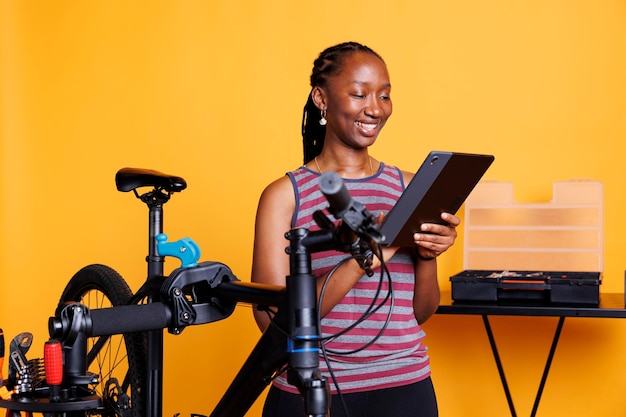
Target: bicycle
[(112, 341)]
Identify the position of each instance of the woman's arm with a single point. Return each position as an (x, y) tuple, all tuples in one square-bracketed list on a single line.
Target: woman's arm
[(426, 295), (270, 263), (434, 240)]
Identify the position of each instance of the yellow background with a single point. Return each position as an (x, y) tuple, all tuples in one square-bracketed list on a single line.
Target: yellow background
[(213, 91)]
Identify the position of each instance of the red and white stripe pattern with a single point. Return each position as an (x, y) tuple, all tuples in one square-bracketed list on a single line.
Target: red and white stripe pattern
[(397, 357)]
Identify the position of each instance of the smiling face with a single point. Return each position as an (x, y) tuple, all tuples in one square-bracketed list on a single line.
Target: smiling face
[(357, 101)]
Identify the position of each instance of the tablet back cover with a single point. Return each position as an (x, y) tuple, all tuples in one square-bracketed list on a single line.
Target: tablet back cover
[(442, 183)]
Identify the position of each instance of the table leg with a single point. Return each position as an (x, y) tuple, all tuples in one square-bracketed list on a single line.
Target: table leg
[(544, 377), (496, 356)]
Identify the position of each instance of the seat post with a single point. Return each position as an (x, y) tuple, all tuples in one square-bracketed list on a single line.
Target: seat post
[(154, 380), (155, 227), (155, 201)]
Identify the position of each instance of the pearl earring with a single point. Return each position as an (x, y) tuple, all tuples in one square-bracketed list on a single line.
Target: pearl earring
[(323, 119)]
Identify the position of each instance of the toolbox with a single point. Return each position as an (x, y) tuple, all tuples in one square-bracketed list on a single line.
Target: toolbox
[(549, 252), (545, 287)]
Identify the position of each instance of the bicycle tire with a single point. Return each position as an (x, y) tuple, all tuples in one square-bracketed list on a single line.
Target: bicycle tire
[(119, 356)]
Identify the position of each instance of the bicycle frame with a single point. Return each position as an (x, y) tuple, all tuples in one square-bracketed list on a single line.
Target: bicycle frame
[(196, 294), (291, 339)]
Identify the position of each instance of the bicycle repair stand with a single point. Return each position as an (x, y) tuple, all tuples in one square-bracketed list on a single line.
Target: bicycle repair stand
[(303, 349), (292, 339)]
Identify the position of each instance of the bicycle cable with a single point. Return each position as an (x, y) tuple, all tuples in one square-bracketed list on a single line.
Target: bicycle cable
[(371, 310)]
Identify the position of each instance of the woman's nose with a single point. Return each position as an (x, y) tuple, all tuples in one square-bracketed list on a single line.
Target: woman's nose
[(374, 108)]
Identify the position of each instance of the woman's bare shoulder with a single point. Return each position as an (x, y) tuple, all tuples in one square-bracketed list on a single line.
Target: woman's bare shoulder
[(279, 191), (277, 202)]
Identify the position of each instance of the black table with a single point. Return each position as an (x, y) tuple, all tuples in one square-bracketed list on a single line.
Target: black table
[(611, 306)]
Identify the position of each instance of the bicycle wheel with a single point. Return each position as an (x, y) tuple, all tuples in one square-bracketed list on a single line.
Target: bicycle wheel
[(119, 360)]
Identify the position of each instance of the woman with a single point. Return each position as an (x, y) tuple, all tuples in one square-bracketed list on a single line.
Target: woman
[(379, 368)]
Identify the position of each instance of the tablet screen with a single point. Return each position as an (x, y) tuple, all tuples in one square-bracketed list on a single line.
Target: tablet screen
[(442, 183)]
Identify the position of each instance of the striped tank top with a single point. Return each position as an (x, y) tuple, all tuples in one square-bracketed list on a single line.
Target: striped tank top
[(385, 350)]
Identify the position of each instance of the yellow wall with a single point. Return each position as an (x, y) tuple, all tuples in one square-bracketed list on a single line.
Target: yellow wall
[(213, 91)]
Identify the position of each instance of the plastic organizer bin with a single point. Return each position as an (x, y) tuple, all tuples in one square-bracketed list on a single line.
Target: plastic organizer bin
[(562, 235)]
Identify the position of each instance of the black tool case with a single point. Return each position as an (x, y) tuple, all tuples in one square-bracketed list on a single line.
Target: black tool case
[(545, 287)]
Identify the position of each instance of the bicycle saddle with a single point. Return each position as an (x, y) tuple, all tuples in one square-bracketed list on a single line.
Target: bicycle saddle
[(127, 179)]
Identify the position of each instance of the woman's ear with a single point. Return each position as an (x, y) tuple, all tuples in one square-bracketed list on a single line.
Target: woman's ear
[(319, 97)]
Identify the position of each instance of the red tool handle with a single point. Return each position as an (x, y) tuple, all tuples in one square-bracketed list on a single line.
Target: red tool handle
[(53, 362)]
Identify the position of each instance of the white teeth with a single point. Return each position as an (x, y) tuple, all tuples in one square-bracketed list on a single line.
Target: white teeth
[(367, 126)]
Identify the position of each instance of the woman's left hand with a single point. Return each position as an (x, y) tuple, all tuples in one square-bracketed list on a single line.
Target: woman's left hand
[(436, 238)]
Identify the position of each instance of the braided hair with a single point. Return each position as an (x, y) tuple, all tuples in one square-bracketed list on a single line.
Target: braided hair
[(328, 64)]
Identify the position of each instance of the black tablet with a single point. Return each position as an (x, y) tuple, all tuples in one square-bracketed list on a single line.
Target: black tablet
[(442, 183)]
